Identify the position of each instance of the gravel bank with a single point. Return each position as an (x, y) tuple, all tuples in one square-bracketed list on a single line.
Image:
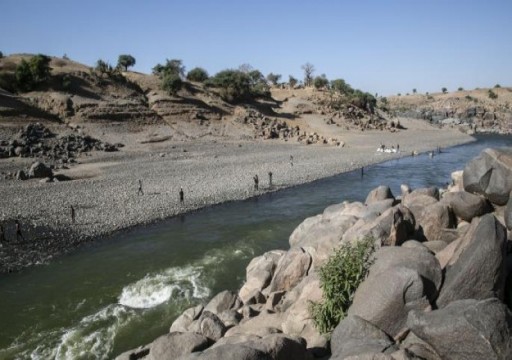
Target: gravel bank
[(105, 197)]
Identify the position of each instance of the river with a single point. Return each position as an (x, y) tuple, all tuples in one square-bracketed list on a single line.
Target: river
[(124, 291)]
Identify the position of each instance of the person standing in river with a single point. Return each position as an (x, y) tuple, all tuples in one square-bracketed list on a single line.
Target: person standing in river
[(72, 214), (270, 179), (19, 235), (182, 196), (140, 192), (256, 182)]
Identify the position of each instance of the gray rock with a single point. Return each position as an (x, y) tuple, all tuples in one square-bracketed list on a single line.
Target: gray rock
[(281, 347), (40, 170), (416, 202), (139, 353), (259, 273), (174, 345), (414, 345), (384, 299), (490, 174), (230, 318), (292, 267), (430, 191), (229, 352), (211, 326), (435, 246), (183, 322), (225, 300), (466, 330), (476, 269), (380, 193), (434, 219), (508, 214), (465, 205), (354, 335)]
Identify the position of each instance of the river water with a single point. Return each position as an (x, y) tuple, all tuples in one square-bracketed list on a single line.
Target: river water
[(125, 291)]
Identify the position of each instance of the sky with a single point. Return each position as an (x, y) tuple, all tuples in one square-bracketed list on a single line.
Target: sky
[(380, 46)]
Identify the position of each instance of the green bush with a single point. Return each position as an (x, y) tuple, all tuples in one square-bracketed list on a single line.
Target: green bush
[(1, 54), (320, 82), (292, 81), (339, 279), (497, 86), (24, 78), (171, 83), (492, 95), (444, 90), (273, 78), (198, 75), (363, 100), (236, 85), (173, 66), (460, 89), (32, 72), (339, 85)]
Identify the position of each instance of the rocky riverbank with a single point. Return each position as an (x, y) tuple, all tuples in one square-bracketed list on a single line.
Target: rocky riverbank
[(439, 286), (104, 186)]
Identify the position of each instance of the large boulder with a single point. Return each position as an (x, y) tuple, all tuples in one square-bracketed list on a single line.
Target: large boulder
[(508, 214), (259, 273), (354, 335), (225, 300), (174, 345), (466, 205), (490, 174), (434, 219), (380, 193), (385, 298), (466, 330), (228, 352), (476, 269), (416, 202), (281, 347), (183, 322), (40, 170), (209, 325), (292, 267)]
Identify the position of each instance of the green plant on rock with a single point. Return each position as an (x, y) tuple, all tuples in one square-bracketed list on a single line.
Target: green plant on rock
[(197, 74), (340, 276), (492, 94), (172, 83)]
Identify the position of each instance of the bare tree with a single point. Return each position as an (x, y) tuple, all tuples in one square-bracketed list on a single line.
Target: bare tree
[(309, 69)]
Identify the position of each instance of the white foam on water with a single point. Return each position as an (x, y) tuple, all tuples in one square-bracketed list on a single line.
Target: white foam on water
[(173, 283)]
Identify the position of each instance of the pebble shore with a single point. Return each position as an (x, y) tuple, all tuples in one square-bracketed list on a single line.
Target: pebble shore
[(104, 192)]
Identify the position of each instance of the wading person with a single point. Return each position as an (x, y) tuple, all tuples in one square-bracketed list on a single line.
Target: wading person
[(270, 179), (256, 182), (19, 235), (182, 196), (72, 214), (140, 192)]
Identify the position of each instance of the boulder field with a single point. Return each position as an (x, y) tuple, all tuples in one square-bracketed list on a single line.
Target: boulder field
[(439, 286)]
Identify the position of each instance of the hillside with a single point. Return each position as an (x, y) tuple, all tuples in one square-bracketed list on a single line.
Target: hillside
[(468, 109)]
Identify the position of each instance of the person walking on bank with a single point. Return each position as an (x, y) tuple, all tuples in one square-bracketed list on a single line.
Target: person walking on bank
[(140, 192), (270, 179), (256, 182), (72, 214), (19, 235), (291, 160), (182, 196)]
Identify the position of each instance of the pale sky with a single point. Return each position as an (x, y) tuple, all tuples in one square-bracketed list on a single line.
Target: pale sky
[(378, 46)]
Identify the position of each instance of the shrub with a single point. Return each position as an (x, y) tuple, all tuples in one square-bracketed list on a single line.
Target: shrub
[(236, 85), (1, 54), (32, 72), (339, 278), (104, 68), (320, 82), (492, 94), (460, 89), (173, 66), (198, 75), (292, 81), (273, 78), (8, 81), (24, 78), (341, 86), (171, 83), (414, 91), (444, 90), (363, 100), (497, 86)]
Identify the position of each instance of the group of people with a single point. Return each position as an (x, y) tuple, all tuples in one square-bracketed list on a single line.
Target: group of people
[(392, 149), (19, 234), (257, 181), (181, 193)]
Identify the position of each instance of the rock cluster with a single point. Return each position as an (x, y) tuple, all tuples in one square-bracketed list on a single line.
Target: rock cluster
[(436, 289), (36, 140)]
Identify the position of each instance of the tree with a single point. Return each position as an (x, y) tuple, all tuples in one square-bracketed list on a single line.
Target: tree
[(173, 66), (414, 91), (292, 81), (171, 83), (492, 94), (125, 61), (497, 86), (24, 79), (245, 68), (235, 85), (273, 78), (320, 82), (341, 86), (197, 74), (1, 54), (460, 88), (444, 90), (308, 69), (104, 68)]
